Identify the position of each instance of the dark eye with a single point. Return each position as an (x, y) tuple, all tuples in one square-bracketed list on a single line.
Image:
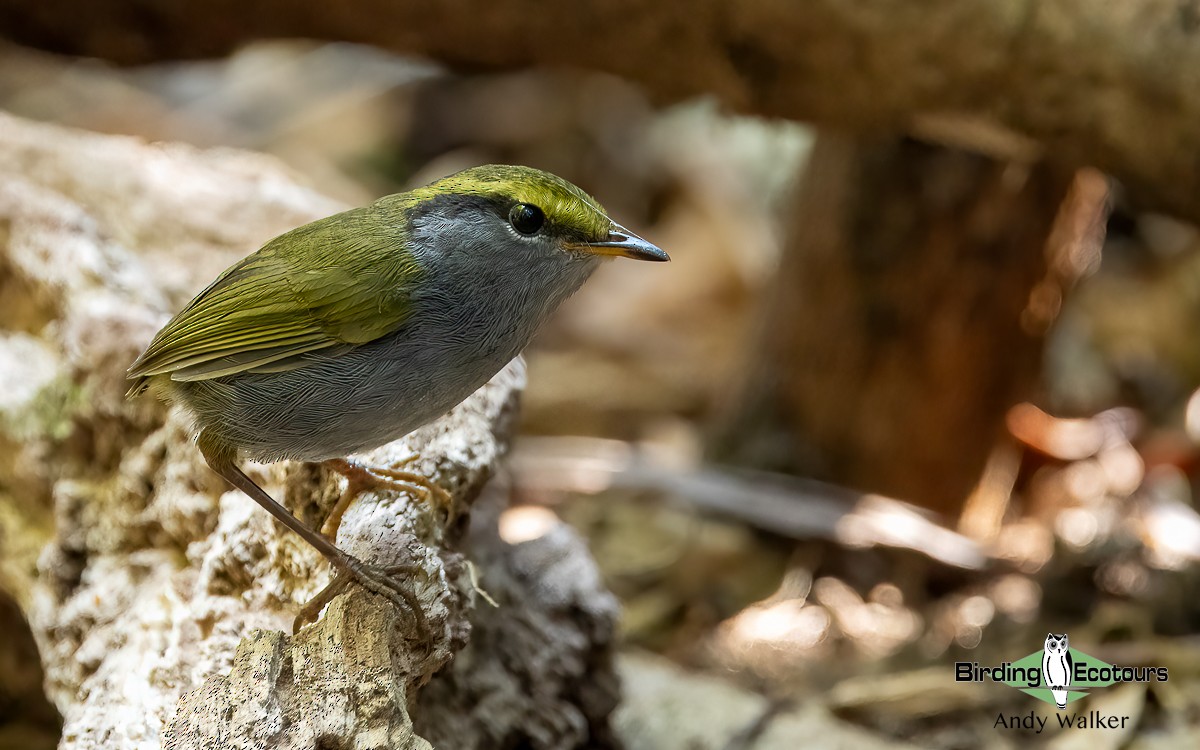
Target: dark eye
[(526, 219)]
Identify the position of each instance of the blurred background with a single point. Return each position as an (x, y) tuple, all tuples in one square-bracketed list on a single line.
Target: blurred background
[(895, 403)]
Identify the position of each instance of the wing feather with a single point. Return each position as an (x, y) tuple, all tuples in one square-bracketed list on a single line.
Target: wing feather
[(330, 285), (256, 360)]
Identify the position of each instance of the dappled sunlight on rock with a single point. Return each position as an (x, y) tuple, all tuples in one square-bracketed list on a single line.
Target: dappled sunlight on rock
[(874, 628), (788, 625), (1172, 531), (1123, 468), (525, 523), (1027, 544), (1017, 597), (1077, 527), (1124, 578), (878, 519)]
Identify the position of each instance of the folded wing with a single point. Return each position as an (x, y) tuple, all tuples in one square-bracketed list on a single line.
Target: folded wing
[(328, 286)]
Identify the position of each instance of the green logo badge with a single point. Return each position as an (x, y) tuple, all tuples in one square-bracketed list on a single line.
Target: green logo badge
[(1058, 674)]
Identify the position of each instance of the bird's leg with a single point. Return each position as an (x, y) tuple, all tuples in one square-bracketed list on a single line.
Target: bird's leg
[(360, 478), (350, 569)]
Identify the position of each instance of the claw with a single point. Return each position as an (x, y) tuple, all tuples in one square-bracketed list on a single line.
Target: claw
[(377, 580)]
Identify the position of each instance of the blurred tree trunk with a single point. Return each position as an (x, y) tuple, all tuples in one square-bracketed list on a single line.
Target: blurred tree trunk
[(1029, 68), (898, 333)]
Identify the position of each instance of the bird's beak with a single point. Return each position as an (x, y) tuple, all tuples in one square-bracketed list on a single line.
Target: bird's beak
[(624, 243)]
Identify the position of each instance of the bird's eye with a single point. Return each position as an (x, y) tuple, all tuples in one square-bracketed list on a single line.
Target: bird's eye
[(526, 219)]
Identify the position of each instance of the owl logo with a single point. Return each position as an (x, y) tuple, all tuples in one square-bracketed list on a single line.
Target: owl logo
[(1057, 667)]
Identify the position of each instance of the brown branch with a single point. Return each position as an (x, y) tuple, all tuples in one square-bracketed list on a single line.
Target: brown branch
[(1107, 84), (783, 505)]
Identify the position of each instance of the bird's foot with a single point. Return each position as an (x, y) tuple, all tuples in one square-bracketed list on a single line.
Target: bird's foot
[(361, 478), (378, 580)]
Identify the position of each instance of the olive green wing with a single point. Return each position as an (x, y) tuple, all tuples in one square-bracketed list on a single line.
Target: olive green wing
[(331, 285)]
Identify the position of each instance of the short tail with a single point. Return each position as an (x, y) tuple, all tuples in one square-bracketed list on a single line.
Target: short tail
[(138, 388)]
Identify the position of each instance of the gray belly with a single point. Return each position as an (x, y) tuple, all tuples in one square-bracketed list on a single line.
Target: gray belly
[(351, 402)]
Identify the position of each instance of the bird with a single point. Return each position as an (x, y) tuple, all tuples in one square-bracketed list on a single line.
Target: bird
[(352, 331)]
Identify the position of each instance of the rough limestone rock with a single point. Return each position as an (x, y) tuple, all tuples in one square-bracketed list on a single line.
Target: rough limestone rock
[(160, 599)]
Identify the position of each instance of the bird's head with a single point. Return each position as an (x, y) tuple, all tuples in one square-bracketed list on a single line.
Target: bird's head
[(513, 209)]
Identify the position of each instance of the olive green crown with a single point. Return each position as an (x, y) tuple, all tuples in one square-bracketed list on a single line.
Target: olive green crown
[(566, 207)]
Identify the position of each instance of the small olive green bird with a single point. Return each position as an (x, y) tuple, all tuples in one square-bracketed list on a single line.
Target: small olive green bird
[(352, 331)]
